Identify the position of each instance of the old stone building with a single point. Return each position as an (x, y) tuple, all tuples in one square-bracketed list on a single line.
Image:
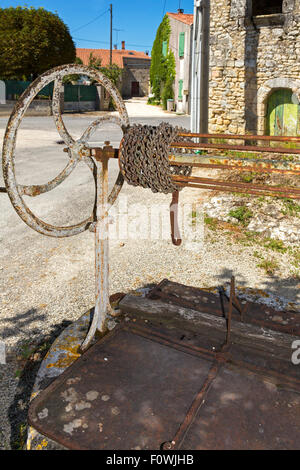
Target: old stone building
[(180, 44), (134, 64), (255, 67)]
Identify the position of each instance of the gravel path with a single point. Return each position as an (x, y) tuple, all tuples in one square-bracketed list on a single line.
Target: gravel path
[(45, 282)]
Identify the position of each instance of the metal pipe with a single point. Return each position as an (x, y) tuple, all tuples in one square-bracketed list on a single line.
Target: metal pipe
[(243, 148), (196, 179), (233, 163), (238, 190), (231, 184), (241, 137), (101, 255)]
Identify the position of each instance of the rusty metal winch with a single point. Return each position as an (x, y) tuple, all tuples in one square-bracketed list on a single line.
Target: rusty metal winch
[(160, 158), (172, 389)]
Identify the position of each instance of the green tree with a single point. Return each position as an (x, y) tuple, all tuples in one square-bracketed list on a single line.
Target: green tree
[(94, 62), (113, 72), (162, 71), (31, 42), (73, 77)]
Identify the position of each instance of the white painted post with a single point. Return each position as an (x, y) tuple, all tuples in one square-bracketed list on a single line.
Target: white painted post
[(2, 93), (200, 67)]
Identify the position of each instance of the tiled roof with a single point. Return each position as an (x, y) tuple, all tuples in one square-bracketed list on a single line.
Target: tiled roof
[(104, 55), (183, 17)]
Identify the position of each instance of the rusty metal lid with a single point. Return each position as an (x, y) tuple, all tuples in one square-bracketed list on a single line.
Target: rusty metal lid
[(126, 392)]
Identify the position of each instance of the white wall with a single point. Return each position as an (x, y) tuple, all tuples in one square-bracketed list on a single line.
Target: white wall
[(182, 64)]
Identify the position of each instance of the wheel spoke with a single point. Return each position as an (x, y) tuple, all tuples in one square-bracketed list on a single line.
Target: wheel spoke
[(56, 109), (98, 122), (36, 190), (78, 151)]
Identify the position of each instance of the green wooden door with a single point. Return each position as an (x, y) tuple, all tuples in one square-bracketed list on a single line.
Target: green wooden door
[(283, 115)]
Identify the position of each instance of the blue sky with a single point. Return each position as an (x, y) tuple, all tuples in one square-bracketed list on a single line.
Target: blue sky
[(138, 19)]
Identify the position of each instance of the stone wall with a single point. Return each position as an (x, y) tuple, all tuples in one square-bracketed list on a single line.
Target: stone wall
[(136, 70), (250, 58), (36, 108)]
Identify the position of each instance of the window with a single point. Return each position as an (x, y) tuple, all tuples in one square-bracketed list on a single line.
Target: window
[(180, 89), (181, 44), (266, 7), (165, 48)]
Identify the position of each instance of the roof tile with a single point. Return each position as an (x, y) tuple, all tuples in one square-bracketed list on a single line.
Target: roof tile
[(104, 55), (183, 17)]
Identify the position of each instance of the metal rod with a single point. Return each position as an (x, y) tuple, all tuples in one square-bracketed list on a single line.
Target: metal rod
[(242, 137), (175, 232), (234, 163), (101, 255), (194, 408), (196, 179), (243, 148), (239, 168), (238, 190)]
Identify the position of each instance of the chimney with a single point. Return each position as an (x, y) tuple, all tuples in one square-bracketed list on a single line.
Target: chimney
[(115, 47), (180, 10), (123, 45)]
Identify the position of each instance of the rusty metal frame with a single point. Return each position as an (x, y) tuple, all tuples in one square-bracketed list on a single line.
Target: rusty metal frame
[(259, 165), (97, 160), (78, 150), (221, 358)]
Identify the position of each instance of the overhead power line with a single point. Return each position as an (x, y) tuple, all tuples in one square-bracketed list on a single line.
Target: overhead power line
[(90, 22), (107, 42), (91, 40)]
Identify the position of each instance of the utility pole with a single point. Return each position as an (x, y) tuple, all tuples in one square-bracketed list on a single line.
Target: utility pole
[(200, 67), (111, 35)]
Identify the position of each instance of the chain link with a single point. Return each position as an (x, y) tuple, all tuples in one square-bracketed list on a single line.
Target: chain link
[(144, 157)]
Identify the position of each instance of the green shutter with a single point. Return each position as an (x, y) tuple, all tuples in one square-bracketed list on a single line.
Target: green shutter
[(181, 44), (165, 48), (180, 90)]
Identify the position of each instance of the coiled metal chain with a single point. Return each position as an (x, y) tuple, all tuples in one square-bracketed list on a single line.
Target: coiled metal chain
[(144, 157)]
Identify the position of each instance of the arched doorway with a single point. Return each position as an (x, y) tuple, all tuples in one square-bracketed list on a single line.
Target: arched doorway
[(283, 113)]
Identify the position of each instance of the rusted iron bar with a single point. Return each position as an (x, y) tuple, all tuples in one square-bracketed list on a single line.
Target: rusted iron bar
[(241, 148), (238, 190), (101, 253), (99, 152), (194, 409), (234, 163), (242, 137), (236, 303), (245, 168), (175, 233), (230, 184)]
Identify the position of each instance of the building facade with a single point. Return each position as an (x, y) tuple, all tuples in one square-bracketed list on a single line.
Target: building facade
[(134, 64), (255, 67), (180, 44)]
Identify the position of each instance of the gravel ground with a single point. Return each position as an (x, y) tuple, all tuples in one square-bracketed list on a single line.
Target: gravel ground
[(46, 283)]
